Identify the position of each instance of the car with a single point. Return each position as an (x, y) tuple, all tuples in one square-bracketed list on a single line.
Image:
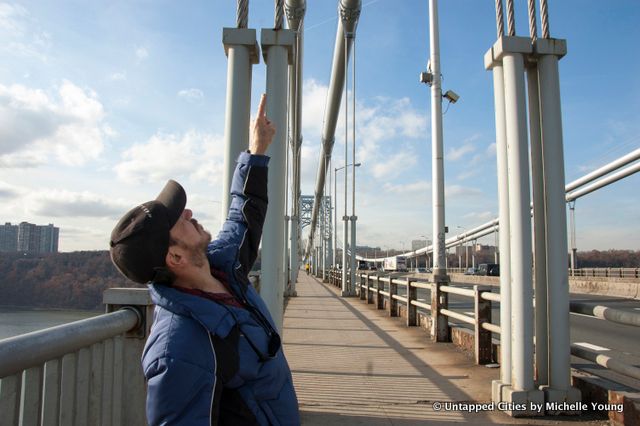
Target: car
[(470, 271), (421, 270), (489, 269)]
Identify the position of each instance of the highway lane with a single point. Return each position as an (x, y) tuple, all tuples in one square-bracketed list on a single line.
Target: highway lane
[(624, 339)]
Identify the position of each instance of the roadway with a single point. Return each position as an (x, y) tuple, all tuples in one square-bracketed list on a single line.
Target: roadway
[(623, 339)]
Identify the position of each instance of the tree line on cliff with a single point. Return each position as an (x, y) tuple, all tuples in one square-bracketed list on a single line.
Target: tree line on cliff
[(76, 280)]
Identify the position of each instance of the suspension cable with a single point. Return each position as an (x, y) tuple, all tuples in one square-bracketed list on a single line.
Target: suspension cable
[(353, 127), (499, 18), (511, 21), (279, 18), (242, 13), (544, 13), (533, 26)]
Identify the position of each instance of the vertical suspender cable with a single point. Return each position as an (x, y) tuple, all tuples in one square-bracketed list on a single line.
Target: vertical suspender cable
[(499, 18), (533, 26), (345, 234), (279, 17), (511, 22), (544, 15), (242, 13), (353, 128), (353, 170)]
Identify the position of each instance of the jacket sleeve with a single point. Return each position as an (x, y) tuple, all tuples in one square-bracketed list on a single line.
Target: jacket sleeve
[(180, 393), (243, 228)]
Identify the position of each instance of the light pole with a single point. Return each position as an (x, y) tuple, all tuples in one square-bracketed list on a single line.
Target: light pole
[(466, 252), (335, 221)]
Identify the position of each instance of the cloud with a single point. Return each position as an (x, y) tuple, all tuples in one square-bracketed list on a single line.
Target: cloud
[(20, 33), (8, 191), (142, 53), (394, 165), (63, 203), (118, 76), (35, 127), (170, 156), (191, 95), (458, 191), (456, 154), (420, 186), (480, 216), (12, 18)]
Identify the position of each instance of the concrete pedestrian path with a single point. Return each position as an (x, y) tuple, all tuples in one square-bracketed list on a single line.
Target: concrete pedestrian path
[(352, 365)]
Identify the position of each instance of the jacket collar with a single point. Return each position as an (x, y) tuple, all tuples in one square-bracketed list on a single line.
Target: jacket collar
[(215, 318)]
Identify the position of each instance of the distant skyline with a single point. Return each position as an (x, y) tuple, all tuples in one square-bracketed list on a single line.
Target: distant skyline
[(101, 102)]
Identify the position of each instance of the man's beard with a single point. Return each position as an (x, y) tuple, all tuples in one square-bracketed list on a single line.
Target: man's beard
[(197, 254)]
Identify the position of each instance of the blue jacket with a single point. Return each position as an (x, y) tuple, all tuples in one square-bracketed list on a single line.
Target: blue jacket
[(213, 364)]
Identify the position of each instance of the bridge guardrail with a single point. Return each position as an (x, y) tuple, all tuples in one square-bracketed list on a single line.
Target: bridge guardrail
[(371, 285), (605, 272), (84, 372)]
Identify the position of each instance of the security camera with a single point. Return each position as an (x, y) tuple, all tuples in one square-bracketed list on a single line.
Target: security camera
[(451, 96)]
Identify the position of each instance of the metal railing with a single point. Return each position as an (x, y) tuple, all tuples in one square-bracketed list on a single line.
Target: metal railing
[(605, 272), (82, 373), (372, 288)]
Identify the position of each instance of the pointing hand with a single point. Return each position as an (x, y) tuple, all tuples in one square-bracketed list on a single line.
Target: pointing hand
[(262, 130)]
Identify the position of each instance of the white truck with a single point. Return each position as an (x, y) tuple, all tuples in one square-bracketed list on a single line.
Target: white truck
[(395, 263)]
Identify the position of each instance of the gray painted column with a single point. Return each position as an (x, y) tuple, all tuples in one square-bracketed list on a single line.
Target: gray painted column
[(242, 51), (511, 51), (539, 230), (277, 48), (295, 11), (549, 50), (505, 252)]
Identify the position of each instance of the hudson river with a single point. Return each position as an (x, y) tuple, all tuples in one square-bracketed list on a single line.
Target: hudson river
[(14, 321)]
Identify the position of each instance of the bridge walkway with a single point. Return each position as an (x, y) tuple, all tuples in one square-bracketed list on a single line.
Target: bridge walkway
[(352, 365)]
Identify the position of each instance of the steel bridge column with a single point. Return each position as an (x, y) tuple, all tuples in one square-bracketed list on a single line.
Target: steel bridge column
[(539, 230), (242, 52), (276, 46), (511, 51), (295, 11), (559, 390)]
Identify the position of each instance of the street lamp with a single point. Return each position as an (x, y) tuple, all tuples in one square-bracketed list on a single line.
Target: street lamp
[(466, 252), (335, 218), (426, 254)]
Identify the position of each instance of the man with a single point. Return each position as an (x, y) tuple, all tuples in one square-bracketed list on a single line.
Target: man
[(213, 356)]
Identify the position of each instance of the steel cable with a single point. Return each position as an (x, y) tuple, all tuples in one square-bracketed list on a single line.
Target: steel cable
[(533, 26), (499, 18), (511, 21), (279, 19), (544, 13), (242, 13)]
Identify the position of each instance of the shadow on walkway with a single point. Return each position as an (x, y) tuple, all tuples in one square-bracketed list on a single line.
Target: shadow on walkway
[(352, 365)]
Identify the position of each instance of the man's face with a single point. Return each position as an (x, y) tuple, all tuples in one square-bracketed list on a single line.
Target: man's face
[(190, 234)]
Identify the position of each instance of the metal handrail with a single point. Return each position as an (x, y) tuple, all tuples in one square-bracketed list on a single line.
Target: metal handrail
[(583, 351), (609, 314), (28, 350)]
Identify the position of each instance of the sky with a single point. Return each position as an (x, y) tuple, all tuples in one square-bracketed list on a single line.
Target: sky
[(102, 102)]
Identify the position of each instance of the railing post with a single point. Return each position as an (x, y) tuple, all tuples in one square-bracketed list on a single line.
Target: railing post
[(393, 303), (440, 331), (134, 393), (369, 292), (412, 310), (364, 279), (482, 313), (379, 295)]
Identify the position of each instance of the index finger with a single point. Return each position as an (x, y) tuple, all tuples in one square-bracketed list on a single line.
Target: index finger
[(263, 105)]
